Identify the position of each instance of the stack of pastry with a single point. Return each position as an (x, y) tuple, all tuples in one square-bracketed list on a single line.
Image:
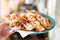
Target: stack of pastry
[(28, 21)]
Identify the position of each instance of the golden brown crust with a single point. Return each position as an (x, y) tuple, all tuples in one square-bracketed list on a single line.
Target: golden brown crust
[(30, 21)]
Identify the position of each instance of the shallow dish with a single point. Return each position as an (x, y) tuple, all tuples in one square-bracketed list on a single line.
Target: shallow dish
[(52, 25), (52, 22)]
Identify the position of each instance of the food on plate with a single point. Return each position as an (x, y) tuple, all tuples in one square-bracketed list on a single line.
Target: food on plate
[(28, 21)]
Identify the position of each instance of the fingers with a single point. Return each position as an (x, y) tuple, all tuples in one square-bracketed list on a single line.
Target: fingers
[(3, 24), (9, 32), (5, 33)]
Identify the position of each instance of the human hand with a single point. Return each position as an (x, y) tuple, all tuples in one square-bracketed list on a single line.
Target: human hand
[(4, 31)]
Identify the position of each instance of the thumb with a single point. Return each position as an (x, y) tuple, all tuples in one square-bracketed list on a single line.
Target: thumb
[(9, 32), (4, 24)]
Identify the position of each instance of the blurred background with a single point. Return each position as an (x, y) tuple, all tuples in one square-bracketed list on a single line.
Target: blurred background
[(49, 7)]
